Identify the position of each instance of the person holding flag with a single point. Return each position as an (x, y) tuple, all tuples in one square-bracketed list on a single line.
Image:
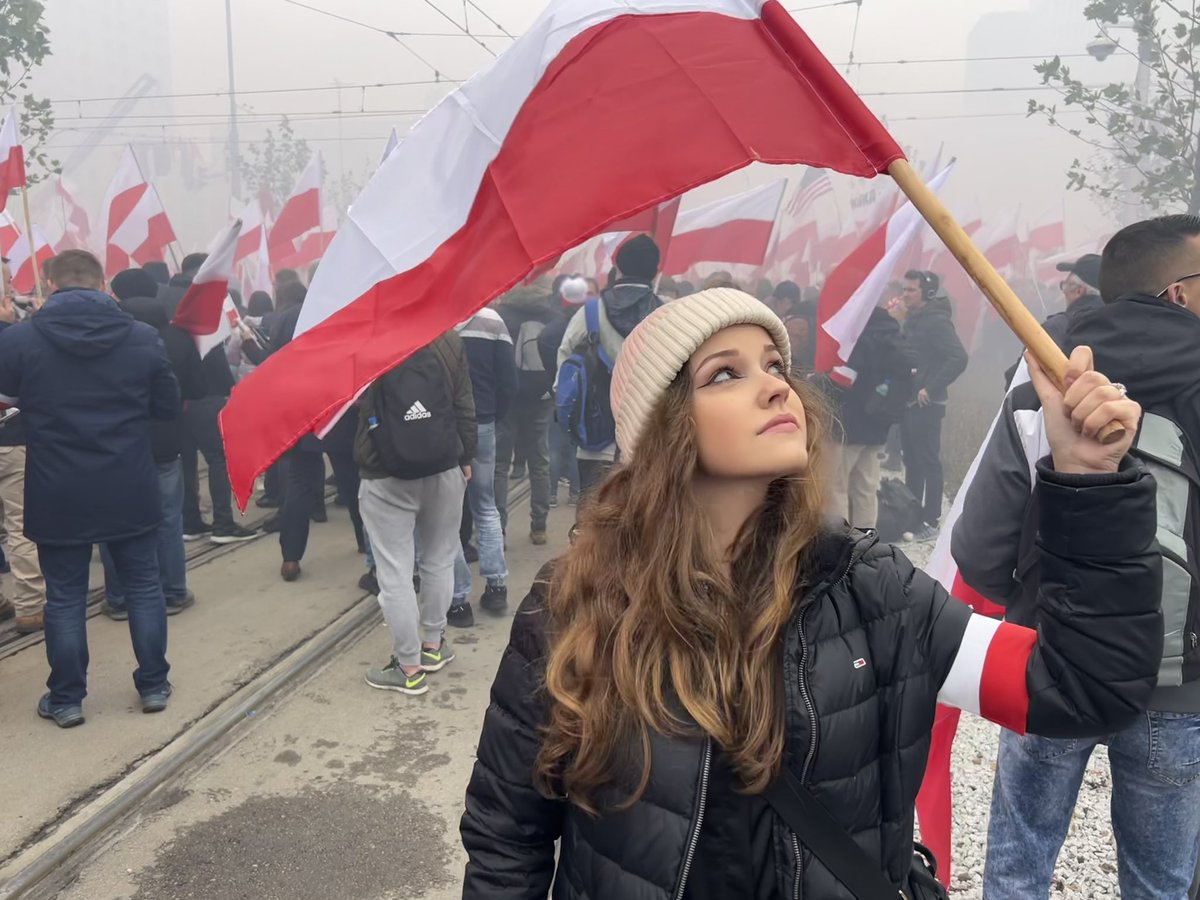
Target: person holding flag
[(715, 694)]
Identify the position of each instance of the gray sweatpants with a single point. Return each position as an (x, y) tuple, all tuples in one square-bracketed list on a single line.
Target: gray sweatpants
[(393, 510)]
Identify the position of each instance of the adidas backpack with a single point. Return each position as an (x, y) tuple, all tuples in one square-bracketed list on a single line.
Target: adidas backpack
[(581, 398), (411, 419)]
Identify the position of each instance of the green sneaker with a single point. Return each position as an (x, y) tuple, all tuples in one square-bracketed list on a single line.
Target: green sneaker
[(436, 660), (393, 678)]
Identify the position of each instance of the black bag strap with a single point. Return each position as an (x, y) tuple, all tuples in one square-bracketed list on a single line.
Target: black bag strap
[(828, 840)]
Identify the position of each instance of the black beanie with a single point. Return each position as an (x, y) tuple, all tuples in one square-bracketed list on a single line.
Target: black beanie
[(639, 258), (133, 283), (158, 271)]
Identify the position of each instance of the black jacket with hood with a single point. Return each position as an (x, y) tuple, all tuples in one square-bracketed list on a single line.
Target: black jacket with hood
[(867, 652), (882, 360), (1153, 348), (166, 437), (940, 356), (88, 380)]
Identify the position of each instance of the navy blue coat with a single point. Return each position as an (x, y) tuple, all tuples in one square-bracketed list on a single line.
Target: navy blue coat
[(88, 380)]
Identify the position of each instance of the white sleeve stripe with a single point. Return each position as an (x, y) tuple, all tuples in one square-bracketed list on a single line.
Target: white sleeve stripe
[(961, 687)]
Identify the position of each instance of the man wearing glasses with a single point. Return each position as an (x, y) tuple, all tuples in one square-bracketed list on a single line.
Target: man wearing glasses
[(1145, 335)]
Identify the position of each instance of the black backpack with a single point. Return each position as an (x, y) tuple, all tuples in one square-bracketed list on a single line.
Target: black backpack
[(411, 420), (899, 511)]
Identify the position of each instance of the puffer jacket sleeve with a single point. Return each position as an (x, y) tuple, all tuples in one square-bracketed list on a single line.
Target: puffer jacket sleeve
[(1092, 662), (509, 829)]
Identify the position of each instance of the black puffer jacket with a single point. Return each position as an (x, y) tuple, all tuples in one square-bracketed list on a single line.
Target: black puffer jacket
[(940, 356), (857, 735)]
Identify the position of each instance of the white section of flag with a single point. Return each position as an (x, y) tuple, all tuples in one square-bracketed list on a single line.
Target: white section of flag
[(758, 204)]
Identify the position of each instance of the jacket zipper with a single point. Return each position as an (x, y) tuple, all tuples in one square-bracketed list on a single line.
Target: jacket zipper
[(705, 767), (812, 716)]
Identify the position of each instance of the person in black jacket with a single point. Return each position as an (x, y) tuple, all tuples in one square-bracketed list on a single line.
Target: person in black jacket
[(202, 433), (708, 630), (136, 291), (88, 380), (940, 359), (1147, 334), (880, 365)]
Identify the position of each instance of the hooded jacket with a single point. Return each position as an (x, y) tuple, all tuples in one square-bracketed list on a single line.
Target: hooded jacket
[(1153, 348), (872, 646), (940, 357), (882, 360), (518, 308), (166, 437), (88, 380)]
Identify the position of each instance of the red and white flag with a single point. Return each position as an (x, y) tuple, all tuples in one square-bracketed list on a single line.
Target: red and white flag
[(136, 225), (70, 220), (459, 213), (9, 232), (27, 267), (253, 227), (301, 211), (12, 155), (1001, 243), (735, 230), (853, 289), (309, 247), (202, 311)]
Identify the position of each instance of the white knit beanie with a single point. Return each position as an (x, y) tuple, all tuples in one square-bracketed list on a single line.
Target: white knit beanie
[(661, 345)]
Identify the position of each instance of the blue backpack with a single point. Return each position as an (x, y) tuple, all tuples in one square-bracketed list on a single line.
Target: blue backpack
[(581, 395)]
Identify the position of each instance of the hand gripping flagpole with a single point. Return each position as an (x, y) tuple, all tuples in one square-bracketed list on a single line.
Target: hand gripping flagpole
[(984, 274)]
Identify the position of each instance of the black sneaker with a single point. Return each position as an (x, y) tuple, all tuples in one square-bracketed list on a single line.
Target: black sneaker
[(196, 531), (116, 613), (156, 701), (63, 716), (231, 534), (495, 598), (369, 583), (461, 616)]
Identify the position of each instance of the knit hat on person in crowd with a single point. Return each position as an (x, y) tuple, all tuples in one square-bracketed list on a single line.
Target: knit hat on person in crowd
[(133, 283), (639, 257), (158, 271), (661, 345), (574, 290)]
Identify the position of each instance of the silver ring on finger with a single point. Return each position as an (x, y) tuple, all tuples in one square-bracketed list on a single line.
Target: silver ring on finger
[(1121, 389)]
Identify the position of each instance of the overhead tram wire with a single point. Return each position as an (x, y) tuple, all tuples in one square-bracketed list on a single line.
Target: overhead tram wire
[(462, 28)]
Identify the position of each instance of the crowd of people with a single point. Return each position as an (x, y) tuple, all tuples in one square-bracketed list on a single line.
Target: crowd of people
[(727, 641)]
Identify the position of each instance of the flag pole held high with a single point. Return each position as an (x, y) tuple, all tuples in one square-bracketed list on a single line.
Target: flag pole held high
[(996, 289), (464, 208)]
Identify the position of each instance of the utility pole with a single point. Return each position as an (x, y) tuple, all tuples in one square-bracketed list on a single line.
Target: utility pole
[(235, 154)]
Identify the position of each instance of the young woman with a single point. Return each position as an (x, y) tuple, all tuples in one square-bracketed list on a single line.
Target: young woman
[(708, 630)]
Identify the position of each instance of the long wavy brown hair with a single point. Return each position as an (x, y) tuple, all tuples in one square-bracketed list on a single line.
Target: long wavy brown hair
[(650, 632)]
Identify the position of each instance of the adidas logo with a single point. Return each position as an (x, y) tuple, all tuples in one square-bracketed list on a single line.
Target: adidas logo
[(417, 411)]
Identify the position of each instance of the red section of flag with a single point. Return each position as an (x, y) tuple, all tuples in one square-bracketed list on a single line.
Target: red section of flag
[(301, 213), (743, 242), (161, 234), (12, 170), (934, 808), (736, 87)]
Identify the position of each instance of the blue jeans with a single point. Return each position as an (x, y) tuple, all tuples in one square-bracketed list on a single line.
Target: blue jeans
[(481, 495), (562, 460), (172, 560), (66, 572), (1155, 808)]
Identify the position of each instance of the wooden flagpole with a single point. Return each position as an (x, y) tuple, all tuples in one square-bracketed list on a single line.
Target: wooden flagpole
[(31, 244), (983, 273)]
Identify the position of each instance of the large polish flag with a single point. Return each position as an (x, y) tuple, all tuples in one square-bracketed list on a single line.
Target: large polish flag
[(201, 311), (25, 265), (464, 208), (301, 211), (136, 225), (12, 155), (735, 230), (853, 289)]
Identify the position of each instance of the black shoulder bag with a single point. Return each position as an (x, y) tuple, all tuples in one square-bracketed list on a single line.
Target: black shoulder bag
[(830, 843)]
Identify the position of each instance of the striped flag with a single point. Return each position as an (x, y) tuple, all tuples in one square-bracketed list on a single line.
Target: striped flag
[(458, 214), (203, 310), (814, 185), (12, 156)]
